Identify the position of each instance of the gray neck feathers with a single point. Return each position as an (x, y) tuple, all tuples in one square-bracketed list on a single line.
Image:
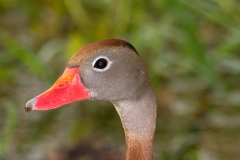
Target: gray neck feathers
[(138, 118)]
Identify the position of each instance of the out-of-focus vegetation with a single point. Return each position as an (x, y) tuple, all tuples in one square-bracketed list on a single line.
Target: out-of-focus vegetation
[(190, 48)]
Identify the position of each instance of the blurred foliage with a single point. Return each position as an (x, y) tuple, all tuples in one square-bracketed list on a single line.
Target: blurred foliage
[(190, 48)]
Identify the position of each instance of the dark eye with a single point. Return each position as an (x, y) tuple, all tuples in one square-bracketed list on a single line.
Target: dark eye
[(101, 63)]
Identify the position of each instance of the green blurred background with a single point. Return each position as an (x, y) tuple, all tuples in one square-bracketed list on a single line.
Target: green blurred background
[(191, 51)]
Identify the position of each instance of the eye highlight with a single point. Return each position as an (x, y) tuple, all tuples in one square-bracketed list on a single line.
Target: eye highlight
[(101, 63)]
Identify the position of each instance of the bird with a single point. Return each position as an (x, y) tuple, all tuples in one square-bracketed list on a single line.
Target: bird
[(109, 70)]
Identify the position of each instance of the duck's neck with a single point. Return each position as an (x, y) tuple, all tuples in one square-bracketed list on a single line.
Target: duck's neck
[(138, 117)]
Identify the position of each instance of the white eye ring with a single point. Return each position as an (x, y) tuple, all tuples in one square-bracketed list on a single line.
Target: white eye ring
[(103, 69)]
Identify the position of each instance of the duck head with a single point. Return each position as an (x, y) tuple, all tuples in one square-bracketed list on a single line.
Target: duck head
[(108, 70)]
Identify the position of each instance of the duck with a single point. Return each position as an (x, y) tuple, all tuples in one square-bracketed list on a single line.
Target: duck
[(109, 70)]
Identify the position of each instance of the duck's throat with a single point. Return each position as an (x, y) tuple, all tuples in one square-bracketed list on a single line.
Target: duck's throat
[(139, 121)]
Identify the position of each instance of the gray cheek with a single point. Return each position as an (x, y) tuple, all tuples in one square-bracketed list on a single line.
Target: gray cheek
[(95, 82), (102, 85), (88, 79)]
